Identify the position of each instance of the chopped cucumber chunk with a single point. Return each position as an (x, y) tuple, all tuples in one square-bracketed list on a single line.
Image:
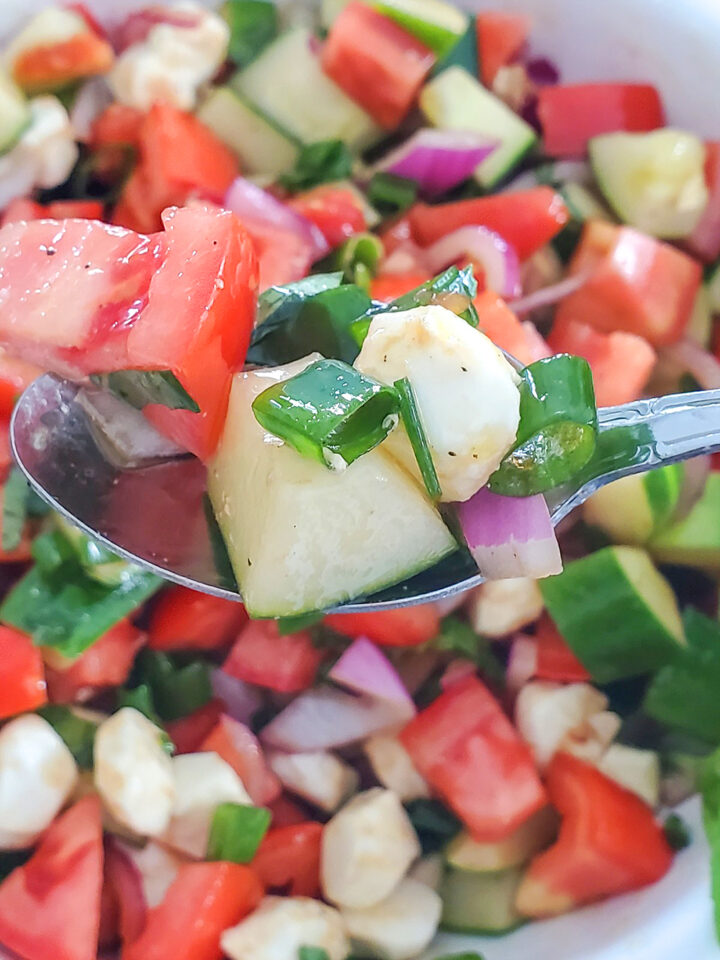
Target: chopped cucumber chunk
[(634, 508), (464, 853), (14, 114), (480, 902), (653, 181), (695, 540)]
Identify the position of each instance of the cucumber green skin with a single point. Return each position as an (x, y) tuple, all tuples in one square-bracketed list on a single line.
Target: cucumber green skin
[(436, 37), (484, 931), (695, 540), (662, 489), (609, 627)]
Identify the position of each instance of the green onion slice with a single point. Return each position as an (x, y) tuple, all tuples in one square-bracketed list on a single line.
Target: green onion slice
[(418, 440), (236, 832)]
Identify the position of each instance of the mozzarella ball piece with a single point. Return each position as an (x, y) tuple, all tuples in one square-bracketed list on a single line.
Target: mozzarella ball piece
[(500, 607), (466, 391), (133, 772), (401, 925), (202, 781), (318, 777), (366, 849), (393, 767), (37, 776), (281, 925)]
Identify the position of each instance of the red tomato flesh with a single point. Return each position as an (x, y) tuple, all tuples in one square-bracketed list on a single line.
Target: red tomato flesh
[(50, 906), (501, 325), (571, 115), (53, 65), (288, 860), (635, 284), (555, 660), (334, 209), (189, 732), (393, 285), (260, 655), (203, 901), (404, 627), (238, 746), (22, 675), (526, 219), (470, 753), (609, 842), (184, 619), (500, 38), (378, 64)]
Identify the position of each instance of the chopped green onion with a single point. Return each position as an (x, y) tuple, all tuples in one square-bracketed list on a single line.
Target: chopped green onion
[(97, 561), (359, 257), (710, 792), (453, 289), (433, 823), (313, 953), (287, 625), (329, 412), (77, 732), (140, 698), (15, 509), (236, 832), (321, 162), (51, 550), (457, 636), (677, 832), (253, 24), (142, 387), (319, 322), (558, 428), (391, 194), (176, 690), (418, 440)]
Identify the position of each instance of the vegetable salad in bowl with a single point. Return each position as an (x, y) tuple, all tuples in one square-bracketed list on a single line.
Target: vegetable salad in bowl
[(376, 266)]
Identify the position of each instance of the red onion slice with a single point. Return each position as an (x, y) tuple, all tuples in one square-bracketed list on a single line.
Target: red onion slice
[(438, 160), (364, 668), (686, 356), (241, 699), (510, 536), (695, 474), (485, 247), (549, 296), (522, 664), (92, 98)]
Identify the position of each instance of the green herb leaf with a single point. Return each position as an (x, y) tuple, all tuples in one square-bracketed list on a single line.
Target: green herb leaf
[(418, 440), (236, 832), (453, 289), (253, 24), (324, 161), (313, 953), (433, 823), (176, 690), (65, 609), (329, 412), (677, 832), (15, 509), (391, 194), (457, 636), (77, 732), (142, 387)]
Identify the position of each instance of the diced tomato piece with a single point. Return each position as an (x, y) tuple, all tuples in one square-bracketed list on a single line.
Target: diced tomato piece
[(634, 283), (56, 65), (609, 842), (537, 347), (22, 208), (15, 376), (497, 321), (22, 675), (704, 242), (526, 219), (404, 627), (334, 209), (288, 860), (203, 901), (377, 63), (179, 158), (396, 233), (500, 38), (106, 663), (572, 114), (198, 320), (467, 749), (117, 125), (555, 660), (286, 812), (284, 256), (50, 906), (74, 209), (393, 285), (260, 655), (621, 363), (189, 732), (123, 888), (237, 745), (184, 619)]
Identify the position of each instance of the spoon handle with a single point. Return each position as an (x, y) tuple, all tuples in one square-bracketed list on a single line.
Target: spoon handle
[(638, 436)]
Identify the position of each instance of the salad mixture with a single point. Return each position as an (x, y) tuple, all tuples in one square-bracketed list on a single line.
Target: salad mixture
[(376, 271)]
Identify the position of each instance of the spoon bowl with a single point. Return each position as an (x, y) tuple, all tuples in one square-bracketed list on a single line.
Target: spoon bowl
[(157, 514)]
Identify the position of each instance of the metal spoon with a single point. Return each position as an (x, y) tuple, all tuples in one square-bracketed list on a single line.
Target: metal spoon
[(157, 516)]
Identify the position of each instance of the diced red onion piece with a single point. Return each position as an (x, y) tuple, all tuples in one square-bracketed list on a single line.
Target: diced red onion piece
[(91, 100), (510, 536), (364, 668), (136, 27), (548, 296), (689, 357), (407, 257), (522, 664), (542, 71), (457, 670), (485, 247), (323, 719), (241, 699), (695, 474), (438, 160), (415, 666), (126, 880)]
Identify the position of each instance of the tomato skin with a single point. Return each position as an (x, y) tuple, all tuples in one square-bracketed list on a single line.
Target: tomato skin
[(106, 663), (470, 753), (404, 627), (526, 219), (286, 812), (609, 842), (555, 660), (378, 64), (260, 655), (22, 675), (288, 859), (50, 906), (22, 208), (203, 901), (189, 732), (183, 619), (635, 284), (50, 66), (238, 746), (500, 38), (393, 285), (334, 209), (572, 114)]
